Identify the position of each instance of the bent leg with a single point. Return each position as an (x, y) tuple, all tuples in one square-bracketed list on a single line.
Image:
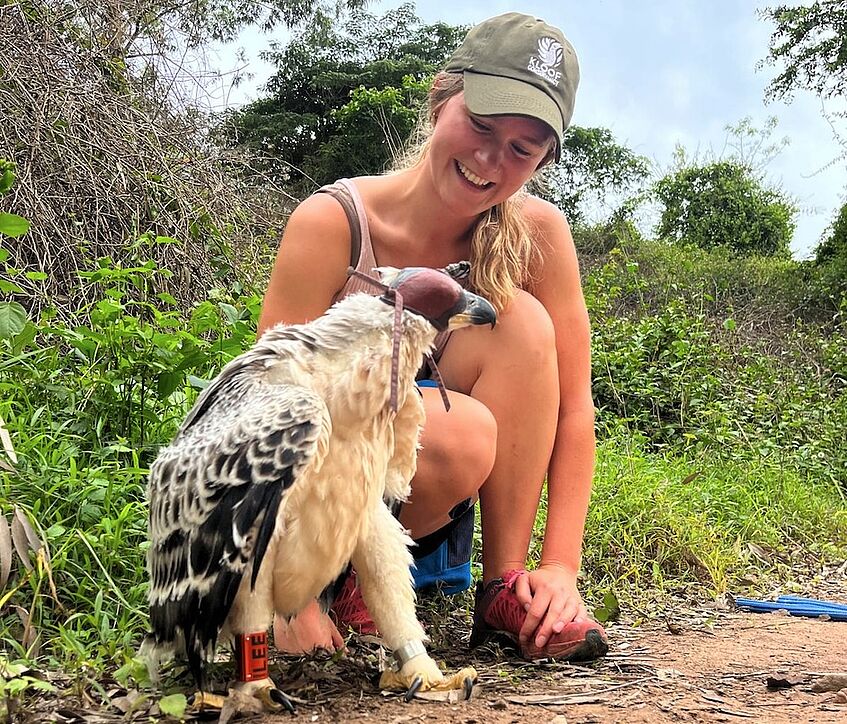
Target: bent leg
[(512, 371), (455, 458)]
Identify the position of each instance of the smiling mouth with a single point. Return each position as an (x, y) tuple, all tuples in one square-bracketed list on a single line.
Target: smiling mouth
[(470, 176)]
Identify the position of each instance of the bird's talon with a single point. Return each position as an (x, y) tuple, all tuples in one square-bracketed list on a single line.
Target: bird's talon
[(203, 701), (279, 698), (413, 689)]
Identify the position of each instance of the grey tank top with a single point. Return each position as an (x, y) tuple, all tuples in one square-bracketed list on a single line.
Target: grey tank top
[(362, 257)]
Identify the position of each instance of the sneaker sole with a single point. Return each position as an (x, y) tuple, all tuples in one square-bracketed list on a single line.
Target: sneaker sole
[(592, 647)]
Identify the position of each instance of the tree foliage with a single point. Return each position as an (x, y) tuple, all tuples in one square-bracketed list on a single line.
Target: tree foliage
[(593, 166), (834, 246), (831, 256), (128, 25), (345, 94), (724, 204), (810, 44)]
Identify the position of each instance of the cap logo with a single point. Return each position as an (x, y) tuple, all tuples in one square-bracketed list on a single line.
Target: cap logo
[(549, 58)]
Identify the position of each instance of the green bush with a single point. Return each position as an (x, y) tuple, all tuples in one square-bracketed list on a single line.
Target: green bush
[(724, 204), (695, 353), (87, 405), (831, 257)]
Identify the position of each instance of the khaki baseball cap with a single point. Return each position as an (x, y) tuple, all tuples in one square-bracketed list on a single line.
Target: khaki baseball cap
[(518, 64)]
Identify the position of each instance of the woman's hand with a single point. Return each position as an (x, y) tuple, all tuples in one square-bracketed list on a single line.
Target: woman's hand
[(551, 599), (309, 630)]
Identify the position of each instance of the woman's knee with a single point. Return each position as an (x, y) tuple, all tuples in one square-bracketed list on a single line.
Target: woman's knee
[(458, 448), (527, 325)]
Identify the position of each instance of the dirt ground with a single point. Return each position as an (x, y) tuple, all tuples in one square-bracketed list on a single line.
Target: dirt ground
[(705, 665), (708, 670)]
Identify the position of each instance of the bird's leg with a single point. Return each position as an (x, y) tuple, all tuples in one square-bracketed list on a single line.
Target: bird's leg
[(382, 560), (249, 618), (253, 691), (251, 673)]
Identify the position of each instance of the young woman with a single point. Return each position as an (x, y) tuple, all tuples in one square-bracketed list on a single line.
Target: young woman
[(520, 394)]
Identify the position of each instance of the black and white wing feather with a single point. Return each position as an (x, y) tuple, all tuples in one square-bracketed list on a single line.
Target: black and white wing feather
[(215, 493)]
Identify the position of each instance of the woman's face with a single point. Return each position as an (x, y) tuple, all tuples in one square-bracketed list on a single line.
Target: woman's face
[(480, 161)]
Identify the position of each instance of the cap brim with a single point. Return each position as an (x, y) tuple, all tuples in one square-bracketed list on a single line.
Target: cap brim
[(491, 95)]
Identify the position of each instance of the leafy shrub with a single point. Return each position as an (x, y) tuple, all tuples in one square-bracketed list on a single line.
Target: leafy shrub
[(86, 405), (831, 257), (724, 204), (726, 370), (659, 373)]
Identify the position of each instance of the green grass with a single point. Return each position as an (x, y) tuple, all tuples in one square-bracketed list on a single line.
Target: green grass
[(677, 522), (666, 521)]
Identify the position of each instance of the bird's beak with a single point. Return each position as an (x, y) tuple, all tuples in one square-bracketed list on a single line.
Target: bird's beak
[(476, 311)]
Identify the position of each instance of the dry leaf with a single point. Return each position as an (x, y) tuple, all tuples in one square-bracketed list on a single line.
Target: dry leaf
[(5, 552), (674, 627), (668, 674), (783, 681), (451, 696), (735, 712), (20, 540), (29, 634), (35, 543), (6, 439), (760, 553), (551, 699), (44, 560), (713, 696)]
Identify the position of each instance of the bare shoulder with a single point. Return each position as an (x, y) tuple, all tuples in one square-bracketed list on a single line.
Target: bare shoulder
[(547, 219), (311, 263), (553, 239), (320, 215)]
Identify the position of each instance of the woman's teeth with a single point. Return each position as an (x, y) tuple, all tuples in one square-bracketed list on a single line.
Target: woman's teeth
[(472, 177)]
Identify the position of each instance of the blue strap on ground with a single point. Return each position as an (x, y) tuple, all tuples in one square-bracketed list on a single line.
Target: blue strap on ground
[(796, 606)]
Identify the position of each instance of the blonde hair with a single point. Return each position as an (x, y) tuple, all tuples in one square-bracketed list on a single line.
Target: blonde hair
[(503, 253)]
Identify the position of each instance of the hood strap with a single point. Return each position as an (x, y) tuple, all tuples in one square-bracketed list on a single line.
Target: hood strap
[(390, 295)]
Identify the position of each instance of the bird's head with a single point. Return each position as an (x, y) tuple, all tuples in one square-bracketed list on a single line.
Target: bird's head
[(436, 296)]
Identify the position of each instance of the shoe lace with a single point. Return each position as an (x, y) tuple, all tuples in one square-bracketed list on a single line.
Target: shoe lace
[(505, 611)]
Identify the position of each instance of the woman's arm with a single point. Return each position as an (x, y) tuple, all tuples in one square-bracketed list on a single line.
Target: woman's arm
[(311, 264), (310, 268), (552, 588)]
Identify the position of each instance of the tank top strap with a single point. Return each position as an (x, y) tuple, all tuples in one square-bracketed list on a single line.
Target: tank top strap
[(361, 249)]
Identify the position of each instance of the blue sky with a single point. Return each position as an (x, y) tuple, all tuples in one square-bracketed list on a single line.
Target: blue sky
[(666, 72)]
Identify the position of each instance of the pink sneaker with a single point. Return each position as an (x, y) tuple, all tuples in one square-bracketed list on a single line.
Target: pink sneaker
[(497, 610), (348, 610)]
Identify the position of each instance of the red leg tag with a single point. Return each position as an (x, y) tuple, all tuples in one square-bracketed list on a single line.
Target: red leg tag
[(251, 656)]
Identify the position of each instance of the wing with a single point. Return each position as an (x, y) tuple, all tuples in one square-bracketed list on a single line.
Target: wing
[(214, 498)]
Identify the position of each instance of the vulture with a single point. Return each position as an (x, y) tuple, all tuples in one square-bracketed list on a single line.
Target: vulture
[(283, 474)]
